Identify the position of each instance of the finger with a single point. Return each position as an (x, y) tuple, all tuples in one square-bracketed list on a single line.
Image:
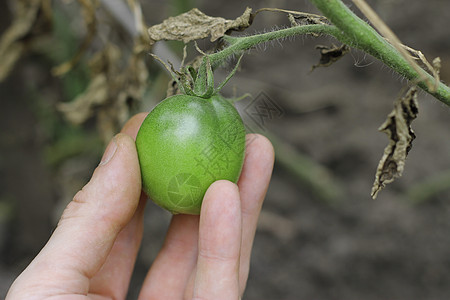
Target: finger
[(101, 209), (219, 243), (114, 276), (173, 266), (89, 225), (253, 184), (133, 124)]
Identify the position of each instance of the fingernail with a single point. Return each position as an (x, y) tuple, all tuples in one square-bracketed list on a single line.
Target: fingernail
[(109, 152)]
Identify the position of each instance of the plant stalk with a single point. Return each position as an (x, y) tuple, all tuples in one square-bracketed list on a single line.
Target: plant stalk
[(348, 29), (358, 34), (242, 43)]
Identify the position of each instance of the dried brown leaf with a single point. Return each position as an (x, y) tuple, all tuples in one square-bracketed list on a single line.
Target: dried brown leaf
[(82, 107), (194, 25), (433, 68), (329, 55), (110, 91), (9, 58), (297, 17), (88, 11), (11, 45), (398, 128)]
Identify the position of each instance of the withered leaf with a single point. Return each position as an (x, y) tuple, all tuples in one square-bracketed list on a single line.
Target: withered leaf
[(88, 11), (9, 58), (329, 55), (194, 25), (301, 19), (82, 107), (11, 45), (398, 128), (111, 91)]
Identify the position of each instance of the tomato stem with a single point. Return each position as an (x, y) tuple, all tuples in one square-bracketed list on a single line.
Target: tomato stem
[(242, 43), (348, 29), (359, 34)]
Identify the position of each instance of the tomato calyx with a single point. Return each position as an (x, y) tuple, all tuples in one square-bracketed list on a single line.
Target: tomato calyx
[(199, 83)]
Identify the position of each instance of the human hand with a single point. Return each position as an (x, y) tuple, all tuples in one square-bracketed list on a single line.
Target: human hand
[(92, 252)]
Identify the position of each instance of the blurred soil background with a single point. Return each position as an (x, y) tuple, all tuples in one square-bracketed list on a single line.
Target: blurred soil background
[(310, 244)]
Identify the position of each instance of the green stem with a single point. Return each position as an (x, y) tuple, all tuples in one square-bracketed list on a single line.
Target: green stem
[(358, 34), (236, 45), (348, 29), (239, 44)]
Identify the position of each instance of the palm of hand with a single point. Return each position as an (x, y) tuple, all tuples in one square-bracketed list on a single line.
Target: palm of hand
[(92, 252)]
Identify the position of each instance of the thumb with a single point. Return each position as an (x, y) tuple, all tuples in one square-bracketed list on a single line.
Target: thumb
[(91, 222)]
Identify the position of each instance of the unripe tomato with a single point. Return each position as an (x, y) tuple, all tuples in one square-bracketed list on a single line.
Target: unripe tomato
[(184, 145)]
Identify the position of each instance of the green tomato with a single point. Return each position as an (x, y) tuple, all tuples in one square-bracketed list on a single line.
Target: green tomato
[(184, 145)]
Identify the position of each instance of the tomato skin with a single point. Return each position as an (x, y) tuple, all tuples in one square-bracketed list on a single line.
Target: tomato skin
[(184, 145)]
